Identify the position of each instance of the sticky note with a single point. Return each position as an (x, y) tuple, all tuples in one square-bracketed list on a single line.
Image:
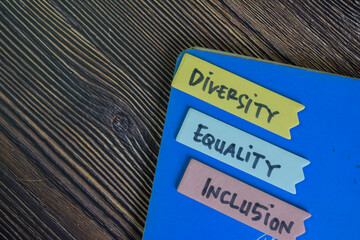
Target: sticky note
[(237, 95), (242, 202), (242, 150)]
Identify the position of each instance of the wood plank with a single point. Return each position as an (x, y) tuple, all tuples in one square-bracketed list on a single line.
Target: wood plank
[(84, 89)]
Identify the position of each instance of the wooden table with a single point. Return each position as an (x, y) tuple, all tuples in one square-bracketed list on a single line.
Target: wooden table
[(84, 88)]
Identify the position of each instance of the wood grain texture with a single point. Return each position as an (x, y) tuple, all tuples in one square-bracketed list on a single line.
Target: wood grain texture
[(84, 87)]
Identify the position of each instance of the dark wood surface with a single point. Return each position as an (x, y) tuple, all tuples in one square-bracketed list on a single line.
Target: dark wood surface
[(84, 88)]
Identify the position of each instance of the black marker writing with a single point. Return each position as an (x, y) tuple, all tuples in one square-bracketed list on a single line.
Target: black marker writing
[(233, 150), (256, 211), (245, 102)]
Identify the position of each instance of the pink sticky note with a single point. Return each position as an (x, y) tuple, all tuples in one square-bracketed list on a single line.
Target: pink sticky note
[(242, 202)]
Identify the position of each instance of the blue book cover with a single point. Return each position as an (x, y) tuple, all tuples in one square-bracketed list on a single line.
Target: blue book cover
[(327, 136)]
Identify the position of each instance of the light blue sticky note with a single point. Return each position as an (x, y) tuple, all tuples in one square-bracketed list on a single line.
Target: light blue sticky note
[(242, 150)]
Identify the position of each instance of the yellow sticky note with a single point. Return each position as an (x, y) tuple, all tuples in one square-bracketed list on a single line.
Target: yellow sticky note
[(237, 95)]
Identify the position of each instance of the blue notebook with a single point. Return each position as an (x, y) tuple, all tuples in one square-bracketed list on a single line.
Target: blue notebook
[(327, 136)]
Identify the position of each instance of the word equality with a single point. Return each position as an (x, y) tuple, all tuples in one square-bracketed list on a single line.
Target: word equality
[(231, 149), (245, 102)]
